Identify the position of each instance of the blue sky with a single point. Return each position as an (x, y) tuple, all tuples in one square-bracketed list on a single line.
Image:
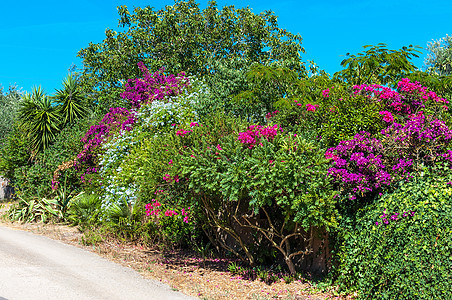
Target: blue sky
[(40, 39)]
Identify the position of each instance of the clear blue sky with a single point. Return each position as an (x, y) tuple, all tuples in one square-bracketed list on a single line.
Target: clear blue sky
[(40, 39)]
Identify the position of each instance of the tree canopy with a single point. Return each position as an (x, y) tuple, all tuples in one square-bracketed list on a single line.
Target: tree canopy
[(185, 38), (377, 65), (439, 57), (9, 103)]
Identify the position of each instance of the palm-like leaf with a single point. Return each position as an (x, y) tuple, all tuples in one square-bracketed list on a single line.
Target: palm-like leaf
[(71, 100), (39, 118)]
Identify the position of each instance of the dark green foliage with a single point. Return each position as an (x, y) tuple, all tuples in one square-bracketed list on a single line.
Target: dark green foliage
[(34, 178), (14, 152), (410, 258)]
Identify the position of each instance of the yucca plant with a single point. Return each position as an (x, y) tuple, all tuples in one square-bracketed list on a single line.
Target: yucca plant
[(39, 117), (70, 100)]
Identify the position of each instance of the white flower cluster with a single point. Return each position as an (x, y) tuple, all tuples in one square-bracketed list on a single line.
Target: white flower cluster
[(150, 119), (115, 151)]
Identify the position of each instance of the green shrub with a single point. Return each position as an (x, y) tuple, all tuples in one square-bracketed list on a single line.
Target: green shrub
[(34, 177), (405, 256), (84, 210), (279, 179), (14, 152)]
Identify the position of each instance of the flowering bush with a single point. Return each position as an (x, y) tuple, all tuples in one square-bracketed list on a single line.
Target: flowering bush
[(172, 225), (256, 133), (156, 86), (358, 165), (116, 120), (368, 163), (261, 174), (161, 103)]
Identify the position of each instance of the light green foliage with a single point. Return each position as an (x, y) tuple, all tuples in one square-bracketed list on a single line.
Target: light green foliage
[(148, 163), (182, 37), (267, 85), (410, 258), (377, 65), (338, 117), (439, 56)]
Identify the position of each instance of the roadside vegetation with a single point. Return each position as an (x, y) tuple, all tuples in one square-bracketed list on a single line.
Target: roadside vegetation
[(204, 130)]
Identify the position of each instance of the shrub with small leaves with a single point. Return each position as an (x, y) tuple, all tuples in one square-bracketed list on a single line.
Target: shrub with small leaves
[(399, 246)]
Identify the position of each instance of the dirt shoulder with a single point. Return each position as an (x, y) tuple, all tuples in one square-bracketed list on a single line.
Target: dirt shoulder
[(205, 278)]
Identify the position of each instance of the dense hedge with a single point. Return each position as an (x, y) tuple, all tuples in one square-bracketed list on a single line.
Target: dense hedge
[(400, 246)]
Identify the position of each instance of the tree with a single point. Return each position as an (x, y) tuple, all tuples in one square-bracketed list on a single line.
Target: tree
[(268, 85), (377, 65), (9, 103), (439, 58), (183, 37)]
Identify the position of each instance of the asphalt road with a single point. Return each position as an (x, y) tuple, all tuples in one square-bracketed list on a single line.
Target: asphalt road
[(36, 267)]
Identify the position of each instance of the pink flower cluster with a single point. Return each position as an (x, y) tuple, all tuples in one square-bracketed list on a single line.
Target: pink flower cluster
[(255, 133), (415, 88), (170, 213), (168, 178), (153, 86), (375, 90), (152, 208), (395, 217), (182, 132), (311, 107), (326, 93), (271, 115), (387, 116), (330, 155), (410, 97)]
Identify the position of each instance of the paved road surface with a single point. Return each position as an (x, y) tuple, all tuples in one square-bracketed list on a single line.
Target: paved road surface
[(36, 267)]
